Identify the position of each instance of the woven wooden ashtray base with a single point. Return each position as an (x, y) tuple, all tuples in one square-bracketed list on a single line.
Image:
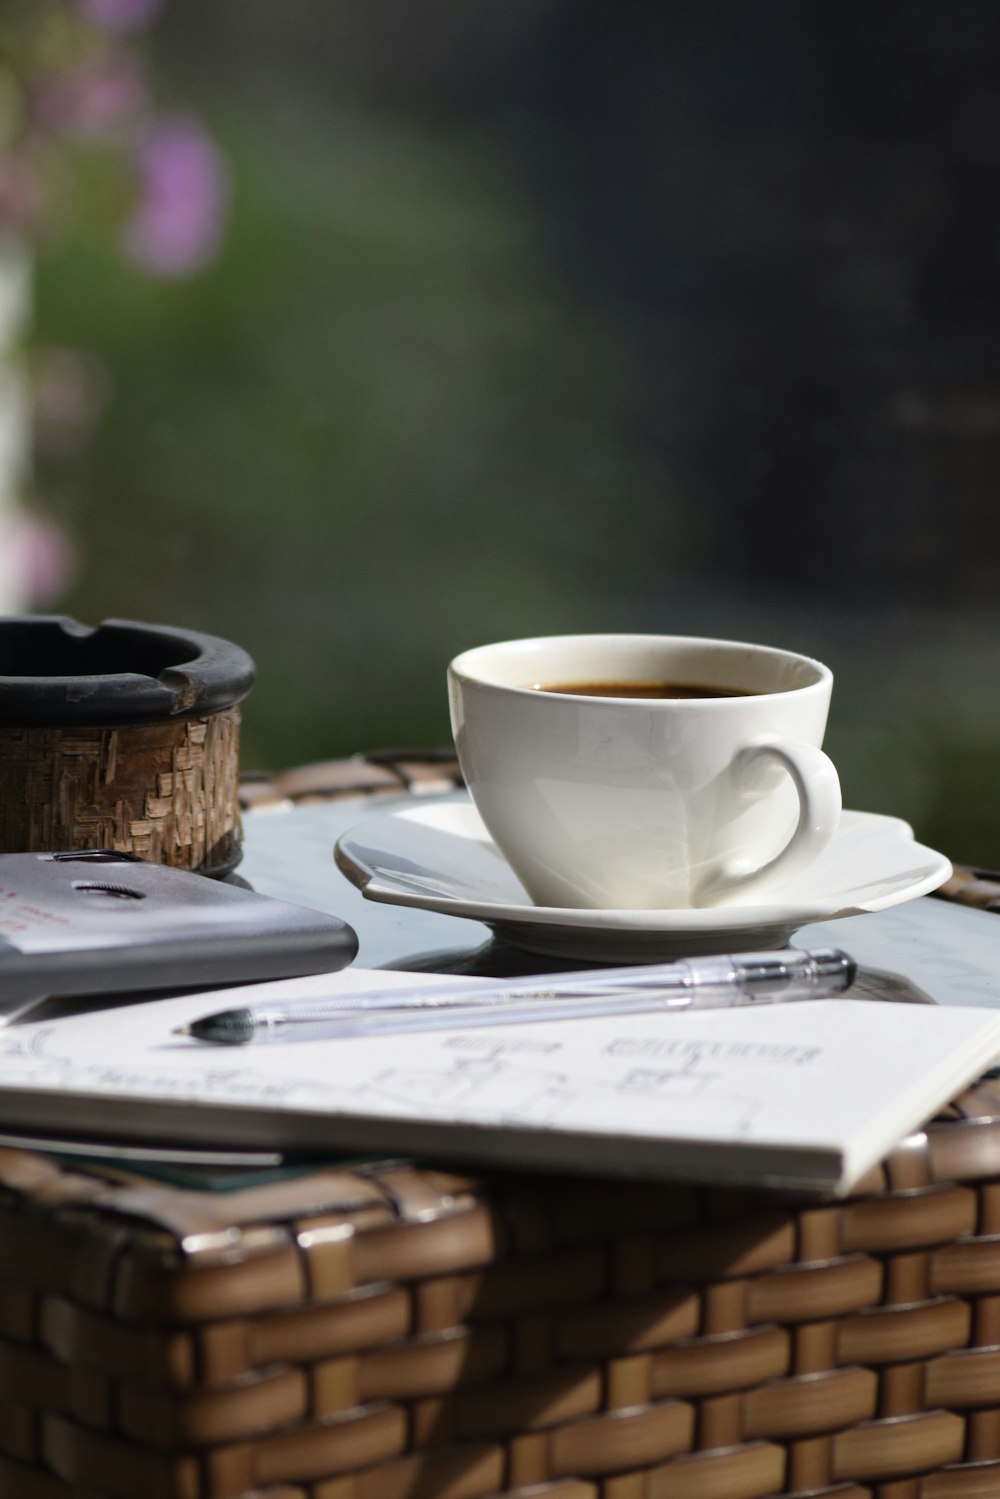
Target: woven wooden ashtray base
[(167, 792), (124, 737)]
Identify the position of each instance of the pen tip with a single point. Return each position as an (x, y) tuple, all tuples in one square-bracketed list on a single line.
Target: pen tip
[(228, 1028)]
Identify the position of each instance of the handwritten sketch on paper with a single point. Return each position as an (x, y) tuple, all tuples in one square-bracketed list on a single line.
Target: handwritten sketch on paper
[(749, 1092), (490, 1084), (512, 1093)]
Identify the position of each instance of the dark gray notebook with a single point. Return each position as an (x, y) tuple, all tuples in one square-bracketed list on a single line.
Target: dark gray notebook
[(95, 922)]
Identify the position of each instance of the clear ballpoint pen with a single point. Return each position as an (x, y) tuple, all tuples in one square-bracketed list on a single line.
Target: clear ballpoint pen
[(692, 984)]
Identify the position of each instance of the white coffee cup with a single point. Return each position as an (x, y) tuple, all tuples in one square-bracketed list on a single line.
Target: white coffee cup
[(634, 803)]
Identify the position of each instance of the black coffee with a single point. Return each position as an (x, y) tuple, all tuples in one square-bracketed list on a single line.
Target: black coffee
[(642, 689)]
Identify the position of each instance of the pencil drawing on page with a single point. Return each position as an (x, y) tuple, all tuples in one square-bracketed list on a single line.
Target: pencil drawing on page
[(511, 1092), (492, 1084)]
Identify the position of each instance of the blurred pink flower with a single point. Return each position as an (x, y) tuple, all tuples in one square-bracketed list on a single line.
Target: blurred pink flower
[(40, 558), (120, 15), (184, 189), (93, 98)]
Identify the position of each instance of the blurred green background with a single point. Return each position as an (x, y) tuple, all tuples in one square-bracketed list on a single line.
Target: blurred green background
[(376, 431), (533, 318)]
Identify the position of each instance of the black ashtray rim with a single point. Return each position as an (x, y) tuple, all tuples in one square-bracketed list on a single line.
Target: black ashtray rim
[(120, 671)]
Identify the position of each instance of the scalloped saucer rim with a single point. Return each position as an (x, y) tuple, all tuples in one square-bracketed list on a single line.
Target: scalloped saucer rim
[(439, 857)]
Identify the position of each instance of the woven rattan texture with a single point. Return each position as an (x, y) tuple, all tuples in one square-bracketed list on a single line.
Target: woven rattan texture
[(383, 772), (390, 1332), (165, 791), (396, 1333)]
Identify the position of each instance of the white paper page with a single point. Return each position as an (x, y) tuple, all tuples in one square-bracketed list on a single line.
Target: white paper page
[(824, 1075)]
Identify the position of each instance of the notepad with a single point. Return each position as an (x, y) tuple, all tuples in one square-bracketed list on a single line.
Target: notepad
[(806, 1095)]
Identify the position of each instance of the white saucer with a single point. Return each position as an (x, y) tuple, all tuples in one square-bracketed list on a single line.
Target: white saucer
[(441, 858)]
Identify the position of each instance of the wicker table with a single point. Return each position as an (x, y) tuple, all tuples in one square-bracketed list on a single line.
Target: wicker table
[(390, 1332)]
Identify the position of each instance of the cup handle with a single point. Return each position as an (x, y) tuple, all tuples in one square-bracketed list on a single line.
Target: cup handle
[(818, 786)]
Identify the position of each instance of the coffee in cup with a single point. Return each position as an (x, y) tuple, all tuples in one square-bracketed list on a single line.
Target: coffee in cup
[(646, 771)]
